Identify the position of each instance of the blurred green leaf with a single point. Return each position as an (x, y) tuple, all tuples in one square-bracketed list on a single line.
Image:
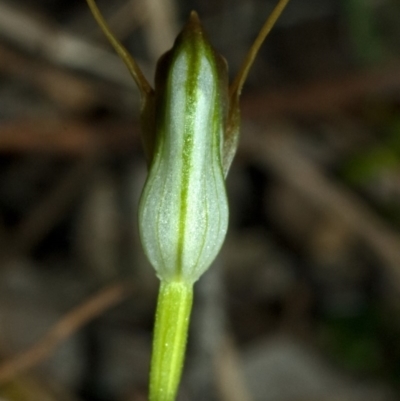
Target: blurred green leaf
[(353, 341), (362, 29), (361, 169)]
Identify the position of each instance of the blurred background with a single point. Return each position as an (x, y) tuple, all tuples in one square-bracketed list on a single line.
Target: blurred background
[(303, 302)]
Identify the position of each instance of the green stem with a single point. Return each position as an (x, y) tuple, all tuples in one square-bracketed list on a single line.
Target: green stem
[(169, 343)]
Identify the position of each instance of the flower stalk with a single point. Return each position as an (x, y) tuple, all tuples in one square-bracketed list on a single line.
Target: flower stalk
[(169, 343)]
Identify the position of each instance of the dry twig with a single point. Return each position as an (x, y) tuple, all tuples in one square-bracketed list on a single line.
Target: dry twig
[(276, 151), (63, 329), (66, 89), (67, 137), (229, 378), (161, 27), (50, 210), (43, 38), (323, 97)]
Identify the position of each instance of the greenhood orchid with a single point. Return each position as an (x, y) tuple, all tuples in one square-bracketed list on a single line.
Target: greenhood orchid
[(190, 131)]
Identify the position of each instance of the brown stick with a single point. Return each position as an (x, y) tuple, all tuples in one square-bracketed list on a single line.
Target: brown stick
[(322, 97), (67, 137), (229, 378), (275, 149), (63, 329), (51, 209)]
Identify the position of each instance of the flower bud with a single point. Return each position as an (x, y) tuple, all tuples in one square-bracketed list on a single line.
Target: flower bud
[(183, 212)]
